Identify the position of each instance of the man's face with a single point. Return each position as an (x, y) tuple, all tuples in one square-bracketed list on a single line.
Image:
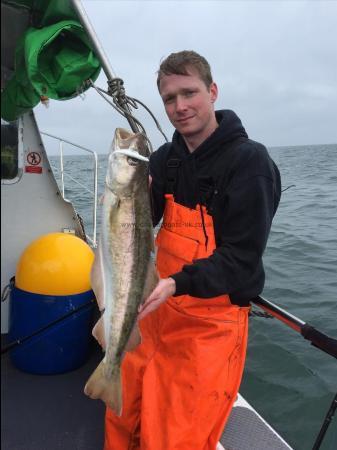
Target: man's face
[(189, 104)]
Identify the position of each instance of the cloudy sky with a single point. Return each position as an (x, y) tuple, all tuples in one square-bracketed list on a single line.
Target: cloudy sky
[(275, 63)]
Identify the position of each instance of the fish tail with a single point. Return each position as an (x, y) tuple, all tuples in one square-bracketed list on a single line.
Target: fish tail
[(109, 390)]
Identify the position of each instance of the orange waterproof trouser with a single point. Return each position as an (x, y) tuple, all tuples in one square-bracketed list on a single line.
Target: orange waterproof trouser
[(180, 383)]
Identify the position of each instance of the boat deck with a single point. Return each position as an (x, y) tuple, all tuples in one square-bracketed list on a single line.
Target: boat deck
[(51, 412)]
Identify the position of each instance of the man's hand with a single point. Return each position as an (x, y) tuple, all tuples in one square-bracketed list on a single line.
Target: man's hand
[(164, 289)]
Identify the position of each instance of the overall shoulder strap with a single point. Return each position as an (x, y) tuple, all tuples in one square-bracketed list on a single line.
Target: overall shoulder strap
[(171, 170), (172, 166)]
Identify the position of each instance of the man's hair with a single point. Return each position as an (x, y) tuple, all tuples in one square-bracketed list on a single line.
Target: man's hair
[(179, 63)]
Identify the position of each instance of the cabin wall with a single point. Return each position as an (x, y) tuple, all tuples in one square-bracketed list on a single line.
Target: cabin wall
[(14, 22), (31, 205)]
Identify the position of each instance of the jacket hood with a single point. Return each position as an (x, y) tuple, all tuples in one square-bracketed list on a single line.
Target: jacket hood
[(230, 128)]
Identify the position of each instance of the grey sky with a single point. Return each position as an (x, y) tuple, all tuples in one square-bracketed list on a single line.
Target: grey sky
[(275, 63)]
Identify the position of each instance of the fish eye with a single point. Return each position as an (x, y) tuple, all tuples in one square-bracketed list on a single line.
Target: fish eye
[(132, 161)]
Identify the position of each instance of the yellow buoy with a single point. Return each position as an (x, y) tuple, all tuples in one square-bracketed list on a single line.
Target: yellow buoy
[(55, 264)]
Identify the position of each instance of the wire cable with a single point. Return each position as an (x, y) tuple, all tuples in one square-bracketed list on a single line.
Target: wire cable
[(121, 103)]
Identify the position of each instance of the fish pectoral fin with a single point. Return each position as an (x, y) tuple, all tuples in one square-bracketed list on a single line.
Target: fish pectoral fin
[(134, 340), (107, 389), (99, 333)]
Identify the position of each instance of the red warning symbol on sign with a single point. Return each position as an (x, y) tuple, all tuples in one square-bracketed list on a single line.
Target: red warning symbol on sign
[(34, 158)]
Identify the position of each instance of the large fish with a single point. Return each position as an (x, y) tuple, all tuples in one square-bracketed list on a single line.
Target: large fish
[(123, 271)]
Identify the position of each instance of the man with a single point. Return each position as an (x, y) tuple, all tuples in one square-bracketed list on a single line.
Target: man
[(217, 192)]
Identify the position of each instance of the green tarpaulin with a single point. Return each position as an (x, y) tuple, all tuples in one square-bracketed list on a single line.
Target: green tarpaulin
[(52, 60)]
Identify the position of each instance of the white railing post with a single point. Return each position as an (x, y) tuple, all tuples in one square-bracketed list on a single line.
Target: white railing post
[(61, 165), (95, 200), (94, 154)]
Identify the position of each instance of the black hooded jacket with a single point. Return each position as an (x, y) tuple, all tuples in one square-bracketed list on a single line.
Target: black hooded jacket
[(237, 181)]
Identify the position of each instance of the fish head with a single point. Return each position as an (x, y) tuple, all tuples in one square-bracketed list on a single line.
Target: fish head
[(128, 162)]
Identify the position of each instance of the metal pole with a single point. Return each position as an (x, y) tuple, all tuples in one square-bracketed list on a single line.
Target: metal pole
[(99, 51), (101, 55), (62, 170), (94, 239), (95, 202)]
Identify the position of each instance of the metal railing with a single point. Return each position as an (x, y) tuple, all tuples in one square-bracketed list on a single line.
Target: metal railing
[(92, 240)]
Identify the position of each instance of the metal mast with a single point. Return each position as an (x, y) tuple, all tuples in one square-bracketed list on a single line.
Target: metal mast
[(101, 55)]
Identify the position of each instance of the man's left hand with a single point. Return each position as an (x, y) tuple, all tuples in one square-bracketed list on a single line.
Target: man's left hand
[(164, 289)]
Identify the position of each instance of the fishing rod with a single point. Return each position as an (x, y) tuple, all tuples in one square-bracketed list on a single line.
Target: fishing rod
[(20, 341), (317, 339), (326, 423)]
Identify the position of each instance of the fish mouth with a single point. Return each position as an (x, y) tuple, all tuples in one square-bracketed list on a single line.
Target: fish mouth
[(128, 140), (133, 154)]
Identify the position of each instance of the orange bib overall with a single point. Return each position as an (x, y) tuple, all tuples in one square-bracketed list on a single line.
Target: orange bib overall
[(180, 383)]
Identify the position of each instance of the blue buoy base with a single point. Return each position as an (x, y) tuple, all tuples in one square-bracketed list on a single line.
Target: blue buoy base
[(60, 348)]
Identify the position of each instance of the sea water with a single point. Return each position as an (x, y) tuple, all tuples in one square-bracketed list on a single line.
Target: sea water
[(288, 381)]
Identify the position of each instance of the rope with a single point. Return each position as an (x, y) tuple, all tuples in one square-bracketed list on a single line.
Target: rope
[(123, 104), (117, 92), (82, 227), (124, 113), (6, 290), (152, 115), (292, 185)]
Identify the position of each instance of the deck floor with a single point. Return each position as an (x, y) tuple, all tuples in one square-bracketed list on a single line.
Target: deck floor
[(40, 412)]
